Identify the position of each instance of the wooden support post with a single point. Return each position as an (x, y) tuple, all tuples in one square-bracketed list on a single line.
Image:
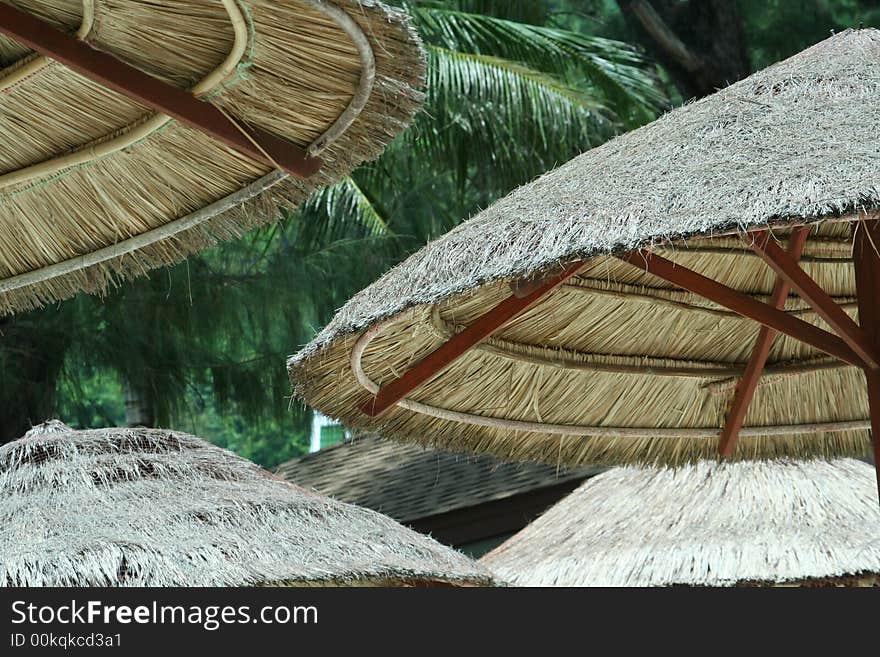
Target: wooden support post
[(742, 304), (101, 67), (459, 344), (867, 266), (788, 268), (745, 390)]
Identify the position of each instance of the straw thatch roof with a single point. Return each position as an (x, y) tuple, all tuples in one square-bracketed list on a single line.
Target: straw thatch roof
[(618, 365), (95, 187), (148, 507), (706, 524)]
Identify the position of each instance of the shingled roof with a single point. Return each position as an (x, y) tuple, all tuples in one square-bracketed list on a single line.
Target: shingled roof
[(408, 482)]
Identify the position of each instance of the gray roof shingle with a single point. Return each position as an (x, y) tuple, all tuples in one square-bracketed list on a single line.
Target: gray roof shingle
[(408, 482)]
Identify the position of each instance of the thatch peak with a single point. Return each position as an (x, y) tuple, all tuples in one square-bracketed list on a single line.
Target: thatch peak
[(46, 428), (706, 524), (150, 507)]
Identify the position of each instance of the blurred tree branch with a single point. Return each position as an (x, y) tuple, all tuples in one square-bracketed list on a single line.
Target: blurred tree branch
[(699, 42)]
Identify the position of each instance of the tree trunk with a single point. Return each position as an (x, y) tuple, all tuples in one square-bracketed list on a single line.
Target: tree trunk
[(138, 407), (700, 43)]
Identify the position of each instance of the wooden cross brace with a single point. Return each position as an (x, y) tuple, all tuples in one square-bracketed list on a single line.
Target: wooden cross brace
[(101, 67)]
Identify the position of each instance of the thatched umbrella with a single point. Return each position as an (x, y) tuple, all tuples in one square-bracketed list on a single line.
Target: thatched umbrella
[(148, 507), (160, 127), (708, 524), (568, 323)]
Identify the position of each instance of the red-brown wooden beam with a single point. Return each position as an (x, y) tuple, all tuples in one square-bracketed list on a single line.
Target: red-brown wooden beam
[(742, 304), (745, 390), (152, 92), (459, 344), (764, 245), (867, 266), (531, 292)]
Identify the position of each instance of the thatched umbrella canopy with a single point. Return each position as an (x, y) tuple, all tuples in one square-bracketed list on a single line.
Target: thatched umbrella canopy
[(708, 524), (148, 507), (95, 185), (606, 312)]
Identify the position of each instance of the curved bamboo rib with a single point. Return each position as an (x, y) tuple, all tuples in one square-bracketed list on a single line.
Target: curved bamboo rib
[(821, 249), (141, 129), (833, 248), (570, 359), (205, 214), (144, 239), (675, 298), (372, 387), (34, 63), (365, 84)]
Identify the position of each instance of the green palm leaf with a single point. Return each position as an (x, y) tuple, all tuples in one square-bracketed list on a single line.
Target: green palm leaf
[(341, 211), (491, 113), (615, 68)]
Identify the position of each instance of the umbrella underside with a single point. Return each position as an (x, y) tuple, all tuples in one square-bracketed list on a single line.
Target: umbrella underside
[(604, 362), (95, 185)]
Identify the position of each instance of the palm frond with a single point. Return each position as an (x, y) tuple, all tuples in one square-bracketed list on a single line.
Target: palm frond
[(505, 119), (616, 68), (343, 210)]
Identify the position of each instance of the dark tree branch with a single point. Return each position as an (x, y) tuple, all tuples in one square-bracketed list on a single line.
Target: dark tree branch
[(700, 43), (665, 38)]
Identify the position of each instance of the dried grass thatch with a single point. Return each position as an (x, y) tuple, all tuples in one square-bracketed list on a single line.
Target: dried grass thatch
[(618, 366), (95, 187), (146, 507), (708, 524)]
